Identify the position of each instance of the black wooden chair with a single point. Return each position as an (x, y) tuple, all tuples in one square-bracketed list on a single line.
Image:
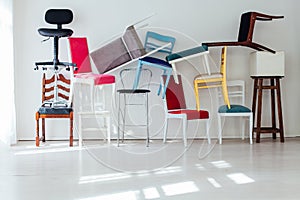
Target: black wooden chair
[(246, 30)]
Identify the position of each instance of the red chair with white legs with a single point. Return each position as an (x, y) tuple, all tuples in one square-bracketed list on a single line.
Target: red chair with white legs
[(175, 107), (88, 106)]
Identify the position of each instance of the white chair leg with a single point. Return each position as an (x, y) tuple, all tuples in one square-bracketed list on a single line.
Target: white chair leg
[(184, 127), (243, 127), (220, 129), (165, 130), (80, 131), (207, 131), (250, 128), (108, 129)]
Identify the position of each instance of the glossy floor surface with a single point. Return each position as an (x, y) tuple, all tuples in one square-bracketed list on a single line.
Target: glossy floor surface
[(233, 170)]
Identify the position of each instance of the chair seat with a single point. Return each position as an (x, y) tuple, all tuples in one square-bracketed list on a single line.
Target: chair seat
[(55, 111), (99, 79), (186, 53), (133, 91), (207, 76), (192, 114), (233, 109), (49, 32), (156, 61)]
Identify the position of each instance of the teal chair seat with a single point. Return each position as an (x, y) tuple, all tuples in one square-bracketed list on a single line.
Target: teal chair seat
[(233, 109)]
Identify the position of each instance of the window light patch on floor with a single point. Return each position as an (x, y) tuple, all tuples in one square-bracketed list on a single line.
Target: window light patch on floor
[(214, 182), (42, 150), (103, 178), (169, 170), (200, 167), (240, 178), (221, 164), (180, 188), (129, 195), (151, 193)]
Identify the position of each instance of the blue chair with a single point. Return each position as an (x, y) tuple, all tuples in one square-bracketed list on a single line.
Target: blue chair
[(155, 42)]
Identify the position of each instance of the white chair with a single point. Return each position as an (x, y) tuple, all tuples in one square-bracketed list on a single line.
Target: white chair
[(175, 107), (87, 109), (87, 87), (236, 91)]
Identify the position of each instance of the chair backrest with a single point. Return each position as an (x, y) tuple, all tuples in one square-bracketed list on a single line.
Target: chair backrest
[(59, 17), (127, 74), (174, 94), (79, 53), (247, 24), (236, 92), (118, 51), (223, 62), (246, 27), (154, 40), (48, 88)]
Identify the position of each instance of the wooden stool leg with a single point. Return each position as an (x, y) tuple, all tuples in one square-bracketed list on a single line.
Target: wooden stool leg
[(254, 103), (43, 131), (259, 107), (280, 119), (37, 137), (273, 113), (71, 129)]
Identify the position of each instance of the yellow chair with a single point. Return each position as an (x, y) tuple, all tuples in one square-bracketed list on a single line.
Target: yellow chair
[(213, 80)]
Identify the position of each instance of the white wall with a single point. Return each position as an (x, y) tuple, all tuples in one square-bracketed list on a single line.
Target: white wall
[(190, 20)]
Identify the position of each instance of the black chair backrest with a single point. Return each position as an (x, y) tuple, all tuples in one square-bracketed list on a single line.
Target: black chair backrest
[(244, 27), (59, 16)]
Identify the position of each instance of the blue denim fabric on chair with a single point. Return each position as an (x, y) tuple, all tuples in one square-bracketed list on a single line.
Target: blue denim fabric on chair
[(49, 110), (155, 41)]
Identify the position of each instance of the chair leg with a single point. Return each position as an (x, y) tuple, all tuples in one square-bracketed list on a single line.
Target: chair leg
[(166, 83), (43, 131), (220, 128), (207, 131), (80, 131), (119, 124), (124, 118), (184, 127), (37, 137), (165, 130), (71, 129), (138, 74), (147, 117), (243, 123), (251, 128), (108, 129)]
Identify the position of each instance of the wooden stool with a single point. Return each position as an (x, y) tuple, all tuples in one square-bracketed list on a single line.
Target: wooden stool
[(258, 86)]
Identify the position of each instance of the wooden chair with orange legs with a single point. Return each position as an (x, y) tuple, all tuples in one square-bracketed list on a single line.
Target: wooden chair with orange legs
[(56, 87)]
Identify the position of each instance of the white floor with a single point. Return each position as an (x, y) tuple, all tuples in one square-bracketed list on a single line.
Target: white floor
[(233, 170)]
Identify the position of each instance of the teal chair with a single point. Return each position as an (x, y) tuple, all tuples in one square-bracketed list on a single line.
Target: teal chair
[(236, 93), (163, 44)]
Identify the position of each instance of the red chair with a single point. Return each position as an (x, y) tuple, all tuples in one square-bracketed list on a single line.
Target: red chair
[(84, 77), (175, 107)]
